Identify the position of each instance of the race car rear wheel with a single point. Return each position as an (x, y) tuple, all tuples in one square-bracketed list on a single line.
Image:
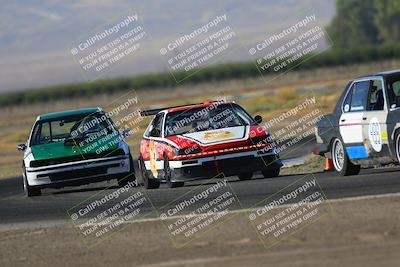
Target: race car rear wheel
[(148, 182), (167, 175), (245, 176), (271, 173), (341, 161), (398, 147), (131, 176), (30, 191)]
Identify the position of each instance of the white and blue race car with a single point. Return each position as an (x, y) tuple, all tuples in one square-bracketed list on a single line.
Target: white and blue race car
[(364, 128)]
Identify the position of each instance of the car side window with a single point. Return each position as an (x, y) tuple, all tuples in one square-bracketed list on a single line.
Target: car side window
[(156, 126), (396, 88), (356, 99), (347, 101), (393, 89), (376, 100)]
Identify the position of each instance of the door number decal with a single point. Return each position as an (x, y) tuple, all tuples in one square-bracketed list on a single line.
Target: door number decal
[(374, 134)]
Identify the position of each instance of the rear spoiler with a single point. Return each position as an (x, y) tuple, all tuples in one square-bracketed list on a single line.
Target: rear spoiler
[(152, 112)]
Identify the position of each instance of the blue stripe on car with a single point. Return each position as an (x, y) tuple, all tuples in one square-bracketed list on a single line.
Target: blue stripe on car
[(356, 152)]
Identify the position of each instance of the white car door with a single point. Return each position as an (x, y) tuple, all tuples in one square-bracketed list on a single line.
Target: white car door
[(353, 110), (374, 119)]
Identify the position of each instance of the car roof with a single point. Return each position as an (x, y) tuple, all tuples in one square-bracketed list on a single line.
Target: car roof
[(201, 105), (385, 74), (67, 113)]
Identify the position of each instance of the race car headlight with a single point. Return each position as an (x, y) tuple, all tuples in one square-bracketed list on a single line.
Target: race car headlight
[(34, 163)]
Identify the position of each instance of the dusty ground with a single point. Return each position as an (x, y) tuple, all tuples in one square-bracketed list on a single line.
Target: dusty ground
[(362, 232)]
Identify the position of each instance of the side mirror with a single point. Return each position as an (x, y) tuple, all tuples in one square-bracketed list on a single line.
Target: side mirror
[(258, 119), (126, 133), (21, 147)]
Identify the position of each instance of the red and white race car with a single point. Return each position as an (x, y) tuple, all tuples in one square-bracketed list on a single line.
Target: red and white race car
[(205, 140)]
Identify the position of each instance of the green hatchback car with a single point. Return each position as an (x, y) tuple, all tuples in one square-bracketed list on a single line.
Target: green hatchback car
[(73, 148)]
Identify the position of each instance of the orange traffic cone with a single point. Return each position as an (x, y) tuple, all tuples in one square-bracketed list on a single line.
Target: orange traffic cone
[(328, 165)]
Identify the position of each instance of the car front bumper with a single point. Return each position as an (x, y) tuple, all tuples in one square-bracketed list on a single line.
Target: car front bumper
[(77, 173), (226, 165)]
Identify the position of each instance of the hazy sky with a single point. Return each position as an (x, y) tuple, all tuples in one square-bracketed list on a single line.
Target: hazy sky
[(36, 36)]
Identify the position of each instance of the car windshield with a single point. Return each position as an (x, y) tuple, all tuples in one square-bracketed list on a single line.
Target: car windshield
[(203, 119), (57, 130)]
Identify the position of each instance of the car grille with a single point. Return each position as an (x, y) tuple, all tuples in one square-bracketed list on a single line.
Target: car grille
[(74, 174)]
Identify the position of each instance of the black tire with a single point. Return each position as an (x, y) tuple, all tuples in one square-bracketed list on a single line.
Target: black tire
[(131, 177), (245, 176), (167, 174), (148, 183), (30, 191), (341, 162), (397, 146), (271, 173)]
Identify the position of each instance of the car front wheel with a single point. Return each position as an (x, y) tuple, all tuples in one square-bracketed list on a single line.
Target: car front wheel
[(148, 182), (341, 161), (130, 177), (167, 173), (271, 173), (245, 176)]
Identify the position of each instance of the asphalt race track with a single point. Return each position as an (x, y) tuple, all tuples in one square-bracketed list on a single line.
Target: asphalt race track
[(53, 204)]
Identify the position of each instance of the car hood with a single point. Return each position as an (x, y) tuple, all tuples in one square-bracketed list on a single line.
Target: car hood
[(219, 136), (59, 150)]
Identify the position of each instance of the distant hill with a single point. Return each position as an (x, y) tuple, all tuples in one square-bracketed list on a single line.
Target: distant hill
[(35, 35)]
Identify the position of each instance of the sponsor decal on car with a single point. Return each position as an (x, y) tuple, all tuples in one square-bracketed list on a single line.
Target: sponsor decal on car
[(152, 151), (218, 135), (384, 136)]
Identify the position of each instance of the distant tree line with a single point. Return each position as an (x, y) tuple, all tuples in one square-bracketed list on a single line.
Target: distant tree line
[(329, 58), (365, 22)]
